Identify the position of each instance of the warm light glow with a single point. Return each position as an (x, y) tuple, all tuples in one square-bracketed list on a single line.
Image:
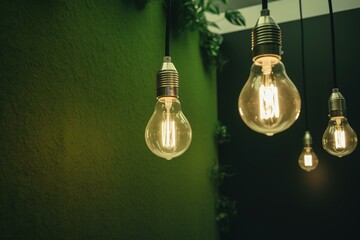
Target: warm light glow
[(339, 135), (168, 133), (168, 129), (308, 161), (339, 138), (269, 100)]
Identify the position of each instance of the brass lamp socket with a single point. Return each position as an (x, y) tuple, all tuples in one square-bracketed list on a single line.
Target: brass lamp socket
[(167, 80), (337, 104), (307, 139), (266, 37)]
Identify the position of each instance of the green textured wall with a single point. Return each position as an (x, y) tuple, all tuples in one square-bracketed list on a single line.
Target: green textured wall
[(77, 89)]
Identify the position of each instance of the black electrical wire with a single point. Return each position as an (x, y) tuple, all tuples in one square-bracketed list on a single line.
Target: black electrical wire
[(168, 28), (333, 43), (264, 4), (303, 68)]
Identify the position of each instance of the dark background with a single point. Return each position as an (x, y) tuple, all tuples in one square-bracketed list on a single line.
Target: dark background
[(277, 199)]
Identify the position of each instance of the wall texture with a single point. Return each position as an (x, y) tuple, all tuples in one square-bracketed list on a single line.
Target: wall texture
[(77, 87), (276, 198)]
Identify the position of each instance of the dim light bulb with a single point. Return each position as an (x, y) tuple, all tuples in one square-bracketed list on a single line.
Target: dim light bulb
[(269, 102), (339, 138), (308, 160)]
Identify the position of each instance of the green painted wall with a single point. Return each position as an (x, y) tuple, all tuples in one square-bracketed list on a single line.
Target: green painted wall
[(77, 87)]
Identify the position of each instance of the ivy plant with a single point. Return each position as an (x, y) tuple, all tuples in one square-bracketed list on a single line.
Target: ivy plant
[(226, 208), (219, 172), (222, 134)]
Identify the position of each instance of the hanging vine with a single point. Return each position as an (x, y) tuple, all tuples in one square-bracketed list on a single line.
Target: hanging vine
[(226, 208)]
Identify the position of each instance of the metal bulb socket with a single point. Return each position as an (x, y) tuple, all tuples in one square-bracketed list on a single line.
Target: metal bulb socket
[(167, 80), (337, 104), (266, 37), (307, 139)]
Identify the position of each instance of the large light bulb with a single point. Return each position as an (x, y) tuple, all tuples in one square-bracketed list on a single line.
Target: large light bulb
[(168, 133), (269, 101), (339, 138), (308, 160)]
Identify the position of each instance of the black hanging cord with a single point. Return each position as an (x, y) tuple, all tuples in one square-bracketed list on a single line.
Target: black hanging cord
[(333, 43), (303, 68), (168, 28), (264, 4)]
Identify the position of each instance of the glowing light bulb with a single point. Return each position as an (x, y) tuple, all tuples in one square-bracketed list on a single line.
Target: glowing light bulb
[(168, 133), (308, 160), (269, 101), (339, 138)]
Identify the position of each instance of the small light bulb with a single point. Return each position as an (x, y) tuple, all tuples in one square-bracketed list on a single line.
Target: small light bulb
[(269, 102), (339, 138), (308, 160)]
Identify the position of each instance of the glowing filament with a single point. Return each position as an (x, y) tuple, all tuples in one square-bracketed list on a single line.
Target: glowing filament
[(269, 102), (308, 161), (339, 138), (168, 130), (168, 134)]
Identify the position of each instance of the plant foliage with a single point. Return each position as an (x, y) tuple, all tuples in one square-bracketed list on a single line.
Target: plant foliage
[(191, 15), (220, 172), (226, 211), (222, 134), (226, 208)]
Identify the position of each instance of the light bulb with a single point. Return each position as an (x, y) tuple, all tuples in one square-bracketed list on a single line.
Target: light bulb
[(168, 133), (269, 101), (308, 160), (339, 138)]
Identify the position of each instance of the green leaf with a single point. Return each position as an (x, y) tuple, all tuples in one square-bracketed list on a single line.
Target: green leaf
[(201, 3), (212, 24), (213, 9), (235, 17)]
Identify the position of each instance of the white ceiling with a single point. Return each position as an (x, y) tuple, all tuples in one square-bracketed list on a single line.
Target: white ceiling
[(236, 4), (280, 10)]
